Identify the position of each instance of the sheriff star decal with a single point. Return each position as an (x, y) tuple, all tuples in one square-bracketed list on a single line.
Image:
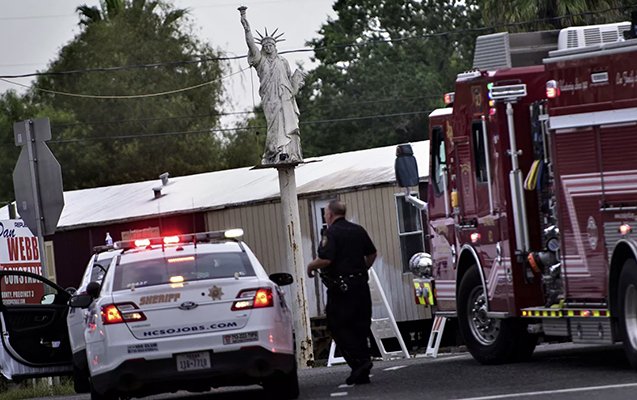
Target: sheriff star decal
[(215, 292)]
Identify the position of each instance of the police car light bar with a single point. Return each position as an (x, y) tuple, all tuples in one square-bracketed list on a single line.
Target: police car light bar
[(233, 234), (103, 248), (508, 92)]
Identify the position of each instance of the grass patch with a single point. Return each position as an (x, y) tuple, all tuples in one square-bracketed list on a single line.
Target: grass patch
[(41, 388)]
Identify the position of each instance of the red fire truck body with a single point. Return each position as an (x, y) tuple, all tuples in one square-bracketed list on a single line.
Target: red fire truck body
[(532, 201)]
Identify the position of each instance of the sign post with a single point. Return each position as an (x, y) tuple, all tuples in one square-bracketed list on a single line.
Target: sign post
[(292, 225), (37, 181)]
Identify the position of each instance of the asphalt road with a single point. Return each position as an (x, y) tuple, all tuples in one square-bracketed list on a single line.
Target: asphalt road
[(555, 372)]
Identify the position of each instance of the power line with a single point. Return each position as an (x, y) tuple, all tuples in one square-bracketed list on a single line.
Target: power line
[(122, 97), (20, 18), (210, 115), (221, 130), (339, 45), (261, 2), (121, 121)]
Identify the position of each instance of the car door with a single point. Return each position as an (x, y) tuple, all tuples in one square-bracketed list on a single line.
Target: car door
[(94, 272), (34, 335)]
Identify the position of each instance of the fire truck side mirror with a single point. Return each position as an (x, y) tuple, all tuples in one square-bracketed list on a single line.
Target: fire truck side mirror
[(405, 167), (421, 264)]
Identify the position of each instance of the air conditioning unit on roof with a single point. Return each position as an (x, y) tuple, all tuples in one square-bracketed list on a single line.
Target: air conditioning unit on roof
[(583, 36)]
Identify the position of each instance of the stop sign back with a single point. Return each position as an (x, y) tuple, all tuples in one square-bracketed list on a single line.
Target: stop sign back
[(37, 174)]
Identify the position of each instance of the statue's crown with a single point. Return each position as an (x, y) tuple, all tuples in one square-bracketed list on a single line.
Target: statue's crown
[(273, 37)]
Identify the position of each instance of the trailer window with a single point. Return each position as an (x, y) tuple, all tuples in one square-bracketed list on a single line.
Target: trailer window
[(409, 229), (479, 151), (438, 159)]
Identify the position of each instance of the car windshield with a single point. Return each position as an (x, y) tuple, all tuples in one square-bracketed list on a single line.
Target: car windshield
[(181, 269)]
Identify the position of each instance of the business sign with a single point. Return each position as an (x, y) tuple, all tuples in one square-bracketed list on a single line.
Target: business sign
[(19, 251)]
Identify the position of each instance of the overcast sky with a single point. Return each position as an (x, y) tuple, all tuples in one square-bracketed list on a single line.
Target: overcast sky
[(33, 31)]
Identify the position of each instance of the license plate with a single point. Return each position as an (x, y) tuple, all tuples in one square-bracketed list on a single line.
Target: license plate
[(241, 337), (193, 361)]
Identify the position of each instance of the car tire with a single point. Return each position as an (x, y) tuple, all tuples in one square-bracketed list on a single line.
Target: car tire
[(81, 380), (282, 385), (627, 291), (490, 340)]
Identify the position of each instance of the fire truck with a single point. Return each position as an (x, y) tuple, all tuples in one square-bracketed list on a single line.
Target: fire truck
[(532, 195)]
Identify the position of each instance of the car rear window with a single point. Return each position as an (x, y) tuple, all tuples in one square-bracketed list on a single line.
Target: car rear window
[(190, 268), (100, 267)]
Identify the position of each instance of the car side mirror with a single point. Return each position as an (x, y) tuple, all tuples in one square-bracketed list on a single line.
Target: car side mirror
[(81, 301), (406, 170), (282, 278), (93, 289)]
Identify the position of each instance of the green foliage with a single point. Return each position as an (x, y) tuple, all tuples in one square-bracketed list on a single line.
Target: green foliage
[(111, 141), (383, 67), (35, 388), (530, 15), (244, 146), (14, 108)]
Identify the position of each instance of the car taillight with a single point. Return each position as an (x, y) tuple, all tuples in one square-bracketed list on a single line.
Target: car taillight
[(253, 298), (122, 312)]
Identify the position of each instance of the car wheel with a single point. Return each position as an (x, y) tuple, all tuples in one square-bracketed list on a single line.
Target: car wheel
[(81, 382), (490, 340), (628, 309), (282, 385)]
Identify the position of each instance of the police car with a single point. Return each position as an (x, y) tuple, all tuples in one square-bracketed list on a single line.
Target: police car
[(188, 312), (94, 272)]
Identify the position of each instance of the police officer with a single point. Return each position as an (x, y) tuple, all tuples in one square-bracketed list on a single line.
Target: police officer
[(345, 255)]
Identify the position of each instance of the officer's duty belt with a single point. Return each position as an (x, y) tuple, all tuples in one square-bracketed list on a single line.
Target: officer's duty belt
[(343, 281)]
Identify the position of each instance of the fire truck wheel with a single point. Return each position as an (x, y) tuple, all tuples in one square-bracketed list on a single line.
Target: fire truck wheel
[(489, 340), (628, 309)]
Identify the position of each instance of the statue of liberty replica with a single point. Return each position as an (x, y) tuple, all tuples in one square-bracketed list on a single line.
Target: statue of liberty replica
[(277, 89)]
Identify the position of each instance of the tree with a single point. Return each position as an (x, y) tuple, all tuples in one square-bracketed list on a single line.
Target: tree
[(117, 140), (109, 10), (244, 145), (15, 108), (383, 66), (12, 109), (529, 15)]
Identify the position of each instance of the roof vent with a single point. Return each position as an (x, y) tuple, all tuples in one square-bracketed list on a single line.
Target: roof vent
[(164, 178), (157, 191), (492, 51), (506, 50), (583, 36)]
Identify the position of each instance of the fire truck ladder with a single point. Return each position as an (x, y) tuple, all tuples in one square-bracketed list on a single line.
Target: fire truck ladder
[(382, 328)]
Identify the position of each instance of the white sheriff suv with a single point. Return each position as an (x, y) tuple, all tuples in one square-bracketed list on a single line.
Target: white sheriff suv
[(187, 312)]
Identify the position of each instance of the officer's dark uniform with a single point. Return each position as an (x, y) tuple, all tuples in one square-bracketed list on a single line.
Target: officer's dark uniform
[(349, 304)]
